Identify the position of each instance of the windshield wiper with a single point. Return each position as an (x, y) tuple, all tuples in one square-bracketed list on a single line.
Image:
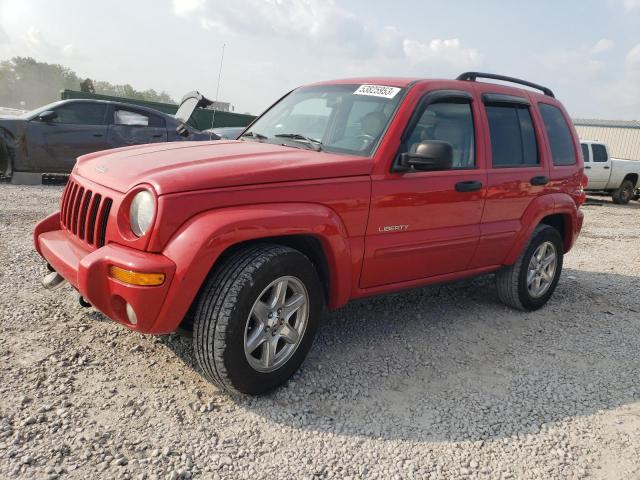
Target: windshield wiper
[(257, 135), (315, 144)]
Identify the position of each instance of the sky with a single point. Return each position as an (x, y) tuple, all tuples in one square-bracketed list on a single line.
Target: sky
[(587, 51)]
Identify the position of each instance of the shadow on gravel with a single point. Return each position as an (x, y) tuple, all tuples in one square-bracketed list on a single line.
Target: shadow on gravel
[(606, 201), (450, 363)]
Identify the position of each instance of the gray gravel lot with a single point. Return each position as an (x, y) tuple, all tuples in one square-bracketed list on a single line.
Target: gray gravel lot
[(441, 382)]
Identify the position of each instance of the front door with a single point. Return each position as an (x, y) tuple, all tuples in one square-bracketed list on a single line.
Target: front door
[(78, 128), (599, 169), (424, 224)]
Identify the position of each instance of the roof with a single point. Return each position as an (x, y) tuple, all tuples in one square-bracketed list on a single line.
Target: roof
[(593, 122), (388, 81), (403, 82)]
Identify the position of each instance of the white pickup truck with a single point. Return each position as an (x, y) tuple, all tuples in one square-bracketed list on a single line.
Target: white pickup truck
[(619, 178)]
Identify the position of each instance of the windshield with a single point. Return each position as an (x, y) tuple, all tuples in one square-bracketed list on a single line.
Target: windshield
[(347, 119)]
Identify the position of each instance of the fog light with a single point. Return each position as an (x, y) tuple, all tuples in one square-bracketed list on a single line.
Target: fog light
[(131, 315), (136, 278)]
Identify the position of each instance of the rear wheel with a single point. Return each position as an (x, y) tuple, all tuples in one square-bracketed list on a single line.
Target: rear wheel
[(257, 317), (624, 193), (530, 281)]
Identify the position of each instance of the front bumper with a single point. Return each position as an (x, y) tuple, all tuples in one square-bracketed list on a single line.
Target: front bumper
[(88, 272)]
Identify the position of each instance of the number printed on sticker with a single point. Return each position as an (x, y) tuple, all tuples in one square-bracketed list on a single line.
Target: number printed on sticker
[(377, 91)]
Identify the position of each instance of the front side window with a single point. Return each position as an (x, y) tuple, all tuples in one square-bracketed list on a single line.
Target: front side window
[(81, 113), (513, 139), (599, 153), (560, 139), (449, 121), (347, 119), (585, 152), (128, 117)]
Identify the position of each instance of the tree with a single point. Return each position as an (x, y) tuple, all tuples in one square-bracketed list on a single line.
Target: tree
[(87, 86), (26, 83)]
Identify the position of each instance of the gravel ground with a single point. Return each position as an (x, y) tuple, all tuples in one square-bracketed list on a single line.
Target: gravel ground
[(441, 382)]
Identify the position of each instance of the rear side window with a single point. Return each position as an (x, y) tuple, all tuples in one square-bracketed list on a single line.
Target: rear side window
[(560, 139), (135, 119), (513, 140), (585, 152), (599, 152)]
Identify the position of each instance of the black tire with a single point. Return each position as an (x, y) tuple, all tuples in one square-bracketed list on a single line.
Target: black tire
[(5, 160), (624, 193), (224, 306), (511, 280)]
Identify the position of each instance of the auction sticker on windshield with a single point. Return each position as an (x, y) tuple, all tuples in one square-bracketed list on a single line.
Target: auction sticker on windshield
[(377, 91)]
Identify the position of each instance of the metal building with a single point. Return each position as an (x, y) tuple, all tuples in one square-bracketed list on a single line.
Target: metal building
[(622, 136)]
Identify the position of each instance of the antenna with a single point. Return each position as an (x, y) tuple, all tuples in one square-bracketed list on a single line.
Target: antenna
[(215, 105)]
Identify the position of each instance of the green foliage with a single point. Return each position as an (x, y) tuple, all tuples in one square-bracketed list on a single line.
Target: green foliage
[(86, 86), (26, 83)]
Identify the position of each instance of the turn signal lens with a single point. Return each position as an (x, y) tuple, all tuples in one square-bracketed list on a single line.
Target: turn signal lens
[(136, 278)]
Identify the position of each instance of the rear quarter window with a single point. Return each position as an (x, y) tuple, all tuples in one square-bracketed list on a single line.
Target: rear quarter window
[(559, 135)]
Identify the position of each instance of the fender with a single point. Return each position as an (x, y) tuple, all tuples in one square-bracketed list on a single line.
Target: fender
[(541, 207), (198, 244), (565, 204)]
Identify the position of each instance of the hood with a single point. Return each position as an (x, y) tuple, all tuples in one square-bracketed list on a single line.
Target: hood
[(8, 120), (185, 166), (12, 124)]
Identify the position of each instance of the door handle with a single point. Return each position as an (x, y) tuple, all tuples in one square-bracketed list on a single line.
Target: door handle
[(539, 180), (587, 167), (158, 135), (468, 186), (606, 167), (98, 134)]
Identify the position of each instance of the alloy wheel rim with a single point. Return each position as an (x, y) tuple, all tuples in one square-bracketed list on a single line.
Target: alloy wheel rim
[(276, 324), (542, 269)]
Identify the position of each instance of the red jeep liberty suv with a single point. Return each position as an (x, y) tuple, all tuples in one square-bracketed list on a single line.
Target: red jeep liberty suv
[(340, 190)]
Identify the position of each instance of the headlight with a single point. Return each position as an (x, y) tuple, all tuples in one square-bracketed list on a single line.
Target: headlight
[(141, 212)]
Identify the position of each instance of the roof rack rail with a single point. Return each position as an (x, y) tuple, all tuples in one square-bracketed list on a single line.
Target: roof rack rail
[(472, 76)]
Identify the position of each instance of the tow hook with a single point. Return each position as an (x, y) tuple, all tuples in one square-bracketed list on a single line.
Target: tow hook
[(52, 280), (83, 302)]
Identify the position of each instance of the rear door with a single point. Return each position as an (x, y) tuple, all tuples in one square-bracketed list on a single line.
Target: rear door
[(131, 126), (79, 128), (599, 169), (424, 224), (518, 172)]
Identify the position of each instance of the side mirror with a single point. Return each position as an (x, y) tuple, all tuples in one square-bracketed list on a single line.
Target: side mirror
[(47, 116), (428, 156)]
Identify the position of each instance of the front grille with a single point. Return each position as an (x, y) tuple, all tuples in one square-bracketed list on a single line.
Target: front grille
[(85, 213)]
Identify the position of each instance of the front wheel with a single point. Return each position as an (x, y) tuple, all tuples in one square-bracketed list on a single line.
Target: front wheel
[(5, 160), (530, 281), (624, 193), (257, 317)]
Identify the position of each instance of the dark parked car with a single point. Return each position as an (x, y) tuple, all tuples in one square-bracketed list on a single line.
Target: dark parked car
[(51, 138)]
